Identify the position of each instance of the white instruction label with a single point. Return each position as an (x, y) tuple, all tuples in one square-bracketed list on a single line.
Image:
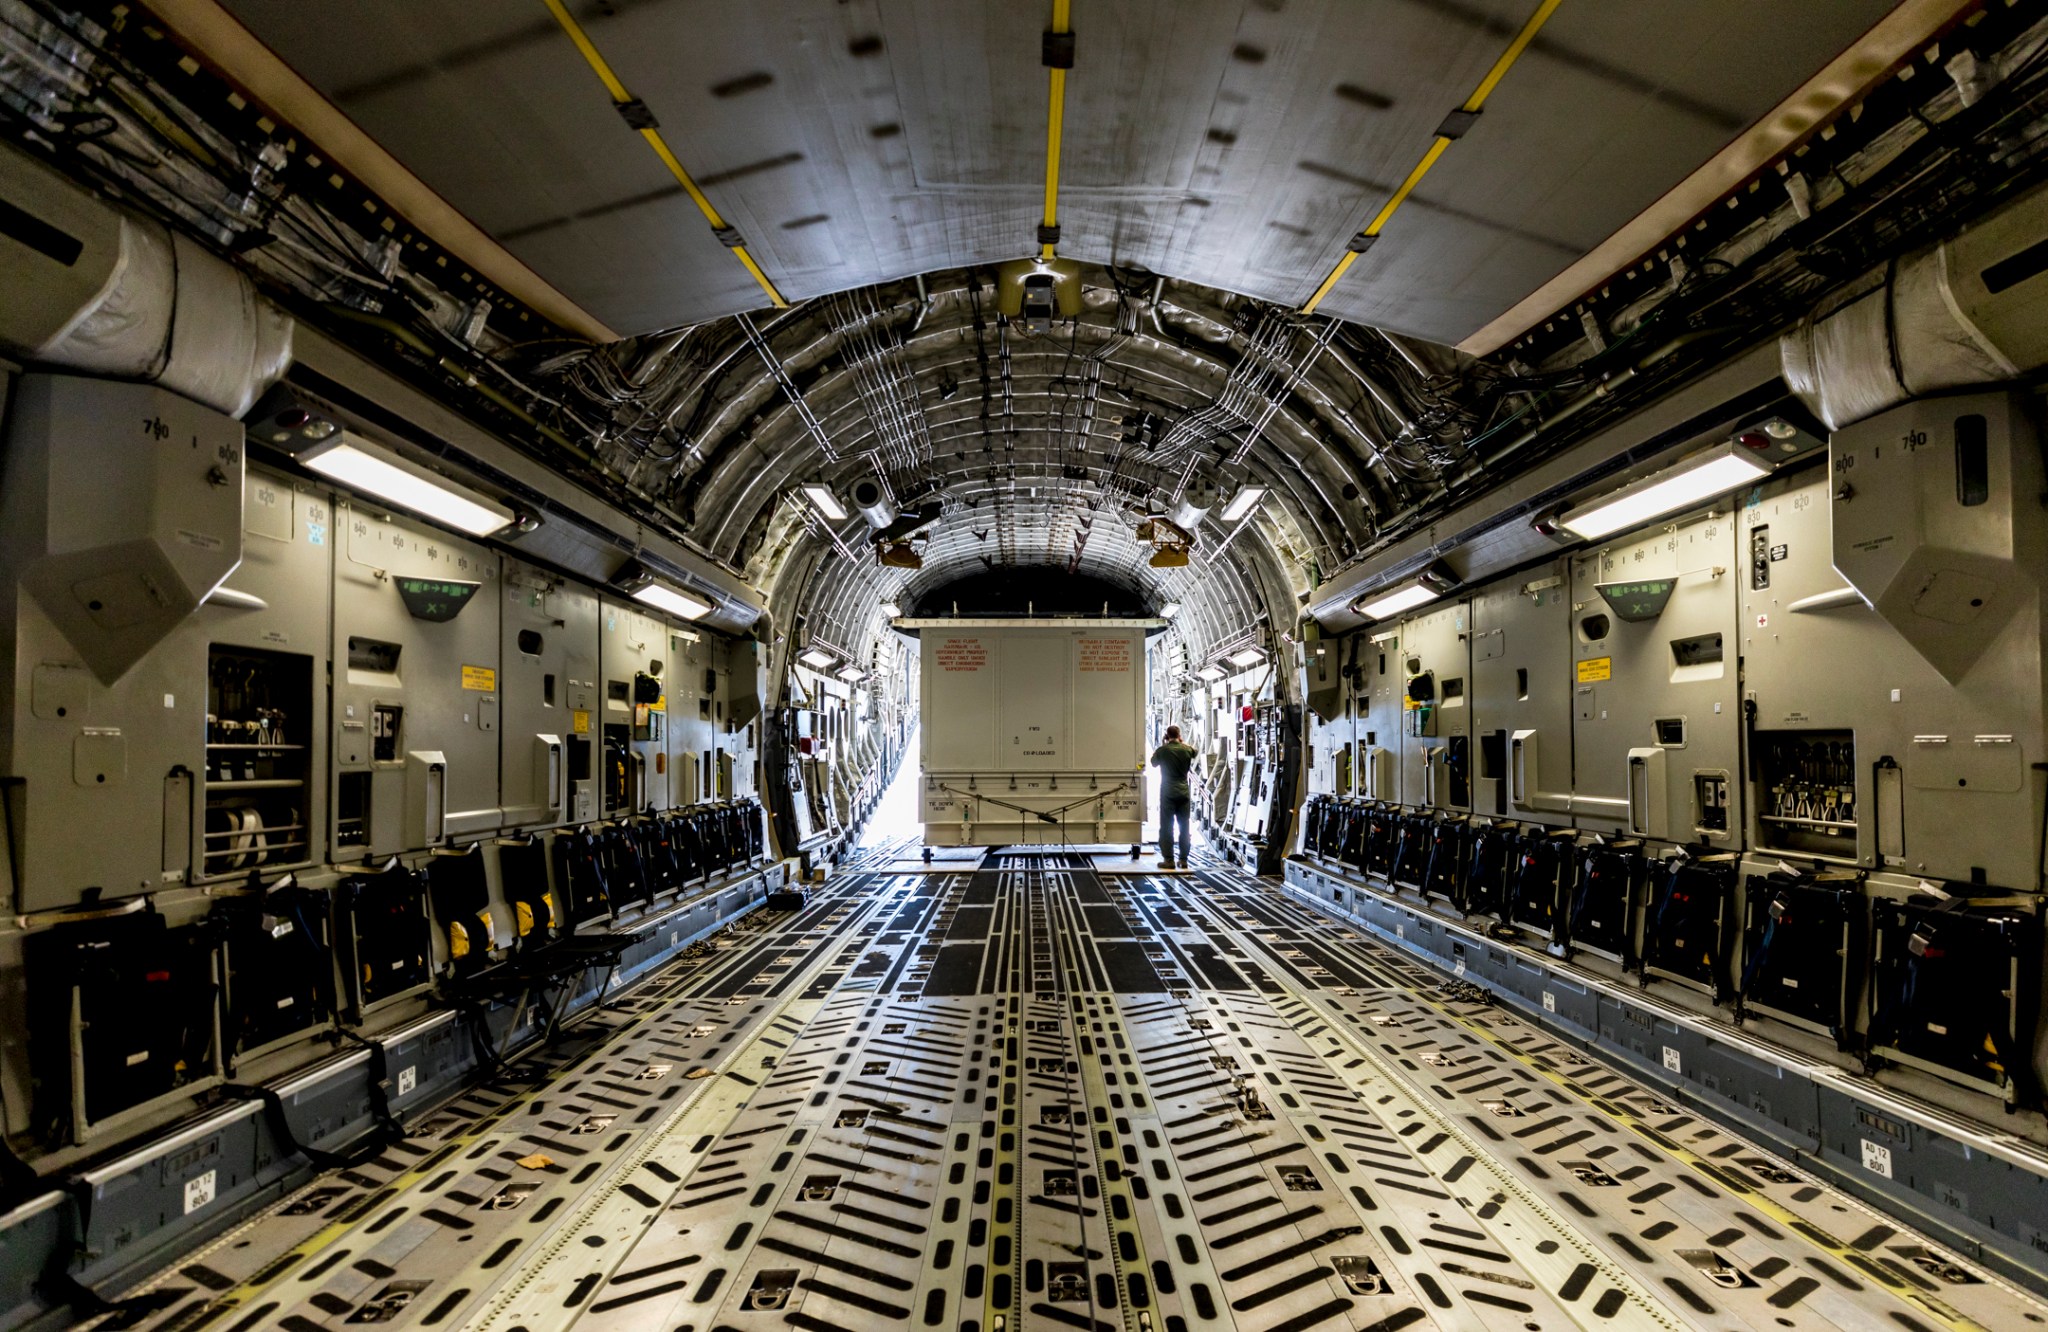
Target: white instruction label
[(1877, 1158), (408, 1078), (1671, 1060), (1549, 1002), (1459, 970), (200, 1191)]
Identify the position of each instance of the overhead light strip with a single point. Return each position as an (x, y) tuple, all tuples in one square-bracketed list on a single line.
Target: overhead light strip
[(1685, 485), (635, 113), (1453, 127), (352, 462), (1058, 54), (824, 500), (1400, 599), (663, 597), (1243, 502)]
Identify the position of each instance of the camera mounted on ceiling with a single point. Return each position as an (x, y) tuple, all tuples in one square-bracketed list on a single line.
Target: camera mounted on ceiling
[(1039, 292)]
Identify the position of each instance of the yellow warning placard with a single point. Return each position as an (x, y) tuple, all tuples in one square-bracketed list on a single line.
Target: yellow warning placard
[(579, 721), (483, 679), (1596, 668)]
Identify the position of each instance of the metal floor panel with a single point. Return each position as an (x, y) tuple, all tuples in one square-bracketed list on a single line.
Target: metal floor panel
[(1030, 1096)]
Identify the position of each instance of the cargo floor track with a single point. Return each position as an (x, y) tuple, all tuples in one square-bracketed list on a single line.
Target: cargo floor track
[(1027, 1095)]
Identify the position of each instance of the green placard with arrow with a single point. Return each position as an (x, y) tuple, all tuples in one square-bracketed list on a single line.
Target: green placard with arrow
[(1643, 599), (435, 600)]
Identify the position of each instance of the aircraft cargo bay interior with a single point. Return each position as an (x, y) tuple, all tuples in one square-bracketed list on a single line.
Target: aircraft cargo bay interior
[(1136, 665)]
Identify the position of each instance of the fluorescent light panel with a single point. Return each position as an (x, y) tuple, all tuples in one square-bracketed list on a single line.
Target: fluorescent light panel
[(1169, 610), (1398, 600), (892, 610), (827, 503), (853, 673), (1243, 502), (360, 467), (1211, 673), (1692, 482), (1248, 657), (816, 658), (662, 597)]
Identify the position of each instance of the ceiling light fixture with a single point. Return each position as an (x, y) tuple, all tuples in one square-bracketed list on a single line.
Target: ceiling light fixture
[(1243, 502), (1248, 658), (892, 610), (853, 675), (1416, 590), (816, 658), (1691, 482), (1211, 673), (362, 466), (663, 597), (1393, 603), (641, 583), (824, 501), (1169, 610)]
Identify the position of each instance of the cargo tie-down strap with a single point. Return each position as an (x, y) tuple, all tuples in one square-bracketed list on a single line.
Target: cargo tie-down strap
[(546, 977), (1684, 929), (1493, 849), (583, 875), (391, 935), (280, 962), (1600, 903), (1945, 989), (1446, 852), (462, 903), (626, 877), (523, 867), (61, 1287)]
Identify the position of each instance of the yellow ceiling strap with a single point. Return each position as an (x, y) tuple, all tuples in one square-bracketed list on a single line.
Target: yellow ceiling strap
[(1453, 127), (1058, 55), (635, 113)]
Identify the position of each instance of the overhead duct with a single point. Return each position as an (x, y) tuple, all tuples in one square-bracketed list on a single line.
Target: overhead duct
[(874, 503), (1971, 310), (1197, 497), (98, 290)]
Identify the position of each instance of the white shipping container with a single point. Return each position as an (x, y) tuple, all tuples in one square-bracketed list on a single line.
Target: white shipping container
[(1030, 718)]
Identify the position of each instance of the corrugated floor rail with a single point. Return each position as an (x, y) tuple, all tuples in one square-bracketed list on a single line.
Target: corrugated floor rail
[(1031, 1095)]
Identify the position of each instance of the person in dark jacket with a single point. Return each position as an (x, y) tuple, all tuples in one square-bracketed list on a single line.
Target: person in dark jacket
[(1173, 758)]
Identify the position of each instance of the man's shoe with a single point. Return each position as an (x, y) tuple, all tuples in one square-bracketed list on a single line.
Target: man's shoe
[(1166, 864)]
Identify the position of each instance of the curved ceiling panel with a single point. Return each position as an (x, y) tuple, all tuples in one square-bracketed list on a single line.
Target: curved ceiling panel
[(1045, 452), (1236, 143)]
